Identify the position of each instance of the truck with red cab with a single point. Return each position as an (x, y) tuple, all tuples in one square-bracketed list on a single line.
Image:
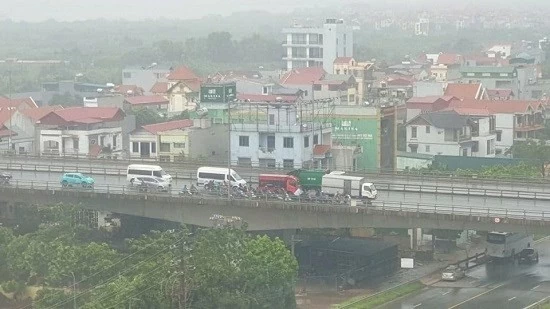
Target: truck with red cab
[(272, 182)]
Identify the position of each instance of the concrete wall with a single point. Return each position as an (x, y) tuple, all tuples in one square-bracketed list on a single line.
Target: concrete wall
[(266, 215)]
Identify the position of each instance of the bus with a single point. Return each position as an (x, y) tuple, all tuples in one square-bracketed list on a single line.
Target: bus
[(137, 170), (503, 245)]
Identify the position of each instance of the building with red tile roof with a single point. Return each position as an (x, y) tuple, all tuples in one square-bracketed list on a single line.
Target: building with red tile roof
[(160, 88), (19, 104), (79, 131), (500, 94), (344, 60), (182, 73), (156, 128), (450, 59), (466, 91), (36, 114), (155, 102), (303, 76)]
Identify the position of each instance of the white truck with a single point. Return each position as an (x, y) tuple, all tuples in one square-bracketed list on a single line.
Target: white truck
[(354, 186)]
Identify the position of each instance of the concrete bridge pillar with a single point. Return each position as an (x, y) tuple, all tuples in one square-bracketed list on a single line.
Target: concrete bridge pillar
[(415, 237), (7, 210)]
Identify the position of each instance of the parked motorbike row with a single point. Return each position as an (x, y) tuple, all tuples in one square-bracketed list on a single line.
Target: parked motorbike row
[(248, 192)]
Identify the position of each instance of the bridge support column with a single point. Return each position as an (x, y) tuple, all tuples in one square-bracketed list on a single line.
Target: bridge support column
[(415, 237)]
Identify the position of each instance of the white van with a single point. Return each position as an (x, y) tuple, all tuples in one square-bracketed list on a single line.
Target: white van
[(206, 174), (136, 170)]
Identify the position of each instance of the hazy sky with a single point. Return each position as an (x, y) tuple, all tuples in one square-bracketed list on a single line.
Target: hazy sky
[(70, 10)]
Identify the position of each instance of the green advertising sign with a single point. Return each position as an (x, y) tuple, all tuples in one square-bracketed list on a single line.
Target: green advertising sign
[(221, 93), (351, 131)]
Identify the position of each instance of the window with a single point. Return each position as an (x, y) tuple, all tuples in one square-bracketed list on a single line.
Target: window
[(75, 143), (270, 142), (427, 129), (315, 139), (244, 161), (127, 75), (164, 158), (114, 141), (306, 141), (164, 147), (499, 136), (465, 152), (475, 147), (243, 141), (265, 90), (413, 132), (317, 87), (489, 147), (287, 163), (427, 148), (288, 142), (179, 145), (271, 119), (153, 147), (135, 146)]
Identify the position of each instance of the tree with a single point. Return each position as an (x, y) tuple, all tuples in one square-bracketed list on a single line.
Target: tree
[(533, 152), (145, 116), (66, 100)]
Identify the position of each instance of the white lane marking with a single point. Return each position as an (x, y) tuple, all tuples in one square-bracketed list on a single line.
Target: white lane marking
[(512, 298), (538, 286), (476, 296), (446, 293), (538, 303), (417, 305)]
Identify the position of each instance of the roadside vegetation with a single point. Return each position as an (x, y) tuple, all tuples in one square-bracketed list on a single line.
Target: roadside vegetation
[(375, 300), (222, 267)]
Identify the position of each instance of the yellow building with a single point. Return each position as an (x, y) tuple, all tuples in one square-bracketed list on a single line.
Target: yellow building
[(361, 71)]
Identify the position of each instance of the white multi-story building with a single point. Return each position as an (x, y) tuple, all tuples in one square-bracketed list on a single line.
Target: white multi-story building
[(317, 46), (450, 133), (279, 135)]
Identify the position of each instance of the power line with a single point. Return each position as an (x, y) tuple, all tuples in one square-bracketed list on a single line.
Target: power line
[(114, 277)]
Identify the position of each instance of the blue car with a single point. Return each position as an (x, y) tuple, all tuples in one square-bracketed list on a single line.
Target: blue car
[(77, 179)]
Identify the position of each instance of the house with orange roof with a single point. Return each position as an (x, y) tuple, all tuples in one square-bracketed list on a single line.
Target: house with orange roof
[(515, 120), (183, 90), (174, 140), (446, 67), (82, 131), (18, 128), (145, 77), (474, 91)]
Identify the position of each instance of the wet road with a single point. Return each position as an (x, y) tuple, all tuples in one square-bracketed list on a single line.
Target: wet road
[(426, 200), (499, 286)]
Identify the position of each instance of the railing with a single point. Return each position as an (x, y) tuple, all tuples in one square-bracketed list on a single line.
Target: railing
[(383, 207), (73, 162), (404, 183)]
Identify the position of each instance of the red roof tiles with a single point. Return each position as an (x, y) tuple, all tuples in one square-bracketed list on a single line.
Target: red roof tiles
[(147, 100), (449, 59), (37, 113), (499, 107), (160, 87), (320, 150), (82, 115), (17, 103), (342, 60), (303, 76), (168, 126), (464, 91), (500, 93), (182, 73)]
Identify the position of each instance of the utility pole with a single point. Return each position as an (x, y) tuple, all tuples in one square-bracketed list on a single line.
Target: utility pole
[(74, 290), (11, 61), (229, 187)]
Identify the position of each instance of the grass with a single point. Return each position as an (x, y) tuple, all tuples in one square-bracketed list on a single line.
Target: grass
[(381, 298)]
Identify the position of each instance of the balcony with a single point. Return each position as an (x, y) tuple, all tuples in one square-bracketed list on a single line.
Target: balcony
[(464, 138), (266, 153), (527, 127)]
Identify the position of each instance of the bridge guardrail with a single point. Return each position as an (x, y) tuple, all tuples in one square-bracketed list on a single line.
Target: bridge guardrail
[(527, 193), (380, 206), (71, 162)]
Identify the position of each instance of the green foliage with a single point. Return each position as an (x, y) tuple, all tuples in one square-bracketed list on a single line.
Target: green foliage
[(145, 116), (533, 152), (66, 100), (214, 268), (522, 170)]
